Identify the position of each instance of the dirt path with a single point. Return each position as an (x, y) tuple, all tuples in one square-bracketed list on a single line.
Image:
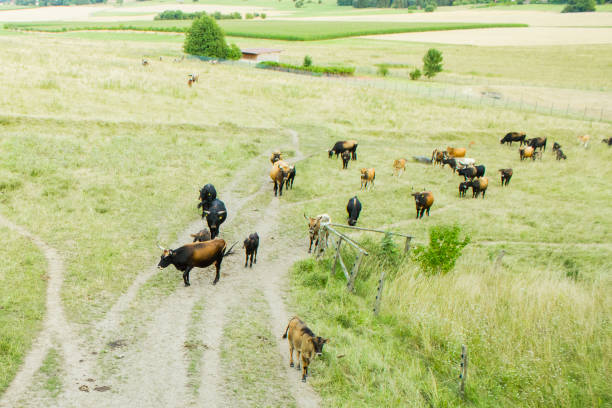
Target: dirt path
[(55, 327)]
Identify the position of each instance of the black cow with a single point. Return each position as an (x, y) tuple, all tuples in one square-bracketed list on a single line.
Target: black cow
[(250, 247), (607, 141), (353, 208), (472, 172), (506, 175), (537, 142), (195, 255), (215, 215), (290, 178), (339, 147), (463, 187), (556, 146), (513, 137), (346, 157), (207, 195), (561, 155), (451, 162)]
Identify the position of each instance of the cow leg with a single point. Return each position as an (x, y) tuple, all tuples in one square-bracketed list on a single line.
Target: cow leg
[(246, 259), (310, 247), (291, 354), (186, 276), (251, 262), (218, 272), (304, 369), (417, 215), (483, 193), (281, 189), (275, 188), (255, 256)]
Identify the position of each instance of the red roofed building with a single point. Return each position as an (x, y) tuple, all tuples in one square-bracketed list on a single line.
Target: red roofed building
[(260, 54)]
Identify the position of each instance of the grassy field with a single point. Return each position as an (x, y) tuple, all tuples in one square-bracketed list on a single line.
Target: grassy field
[(279, 30), (22, 293), (106, 157)]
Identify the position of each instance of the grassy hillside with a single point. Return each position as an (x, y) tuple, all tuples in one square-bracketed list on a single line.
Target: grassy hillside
[(109, 155)]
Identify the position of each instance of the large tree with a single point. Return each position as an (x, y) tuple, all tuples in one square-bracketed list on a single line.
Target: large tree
[(206, 39)]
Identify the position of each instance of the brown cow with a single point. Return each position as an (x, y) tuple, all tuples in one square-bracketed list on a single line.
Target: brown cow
[(201, 236), (399, 167), (276, 156), (584, 140), (561, 155), (314, 230), (506, 175), (437, 156), (479, 186), (423, 200), (367, 176), (526, 152), (456, 151), (280, 170), (339, 147), (195, 255), (304, 341)]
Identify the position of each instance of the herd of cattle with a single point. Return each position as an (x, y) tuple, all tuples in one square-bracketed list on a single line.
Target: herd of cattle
[(207, 248)]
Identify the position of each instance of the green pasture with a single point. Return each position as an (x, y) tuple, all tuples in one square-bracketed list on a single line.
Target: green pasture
[(105, 157), (270, 29)]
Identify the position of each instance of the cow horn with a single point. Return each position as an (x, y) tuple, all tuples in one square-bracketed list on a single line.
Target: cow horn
[(305, 216), (221, 212), (160, 247), (206, 212)]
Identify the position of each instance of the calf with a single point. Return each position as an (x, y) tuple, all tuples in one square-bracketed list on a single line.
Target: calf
[(607, 141), (399, 167), (304, 341), (250, 247), (526, 152), (506, 175), (561, 155), (339, 147), (537, 142), (513, 137), (463, 186), (353, 208), (556, 146), (216, 214), (367, 176), (346, 157), (195, 255), (423, 200), (145, 62), (479, 186), (456, 151), (314, 231), (584, 140), (207, 195), (452, 163), (201, 236), (290, 178)]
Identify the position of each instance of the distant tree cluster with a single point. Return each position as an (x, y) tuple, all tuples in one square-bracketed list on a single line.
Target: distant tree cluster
[(44, 3), (579, 6), (180, 15), (430, 5)]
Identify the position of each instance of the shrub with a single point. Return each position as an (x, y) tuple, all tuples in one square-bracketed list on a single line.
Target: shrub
[(205, 38), (299, 3), (234, 52), (263, 16), (344, 2), (307, 61), (579, 6), (383, 70), (415, 74), (429, 8), (432, 63), (248, 16), (444, 248), (344, 71)]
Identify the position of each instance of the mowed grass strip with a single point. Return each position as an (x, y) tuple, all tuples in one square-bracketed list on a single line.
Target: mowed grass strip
[(272, 29), (22, 296)]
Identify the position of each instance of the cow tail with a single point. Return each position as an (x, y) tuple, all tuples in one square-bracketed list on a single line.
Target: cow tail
[(229, 252), (286, 330)]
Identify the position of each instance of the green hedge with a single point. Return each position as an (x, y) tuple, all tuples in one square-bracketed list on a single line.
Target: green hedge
[(341, 71)]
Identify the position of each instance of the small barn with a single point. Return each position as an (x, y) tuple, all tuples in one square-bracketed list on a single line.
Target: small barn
[(260, 54)]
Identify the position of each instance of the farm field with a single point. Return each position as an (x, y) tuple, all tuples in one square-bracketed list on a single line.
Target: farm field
[(103, 158)]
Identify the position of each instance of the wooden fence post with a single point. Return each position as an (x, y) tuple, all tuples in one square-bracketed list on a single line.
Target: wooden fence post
[(464, 364), (351, 283), (333, 269), (407, 246), (379, 294)]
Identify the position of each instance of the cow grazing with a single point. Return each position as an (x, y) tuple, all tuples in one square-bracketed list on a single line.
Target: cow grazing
[(537, 155), (280, 170), (399, 167), (479, 186), (207, 195), (201, 236), (456, 151), (513, 137), (290, 178), (465, 162), (216, 214), (316, 234), (472, 172), (561, 155), (346, 157), (423, 200), (607, 141), (195, 255), (367, 176), (250, 247), (339, 147), (353, 208), (556, 146), (452, 163), (276, 156), (526, 152), (192, 78), (584, 140), (304, 341), (506, 175), (537, 142), (145, 62), (437, 156), (463, 186)]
